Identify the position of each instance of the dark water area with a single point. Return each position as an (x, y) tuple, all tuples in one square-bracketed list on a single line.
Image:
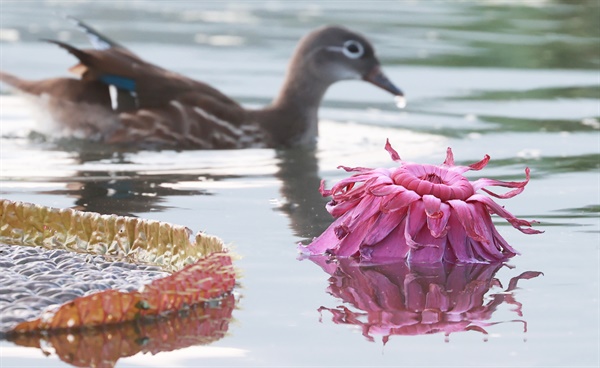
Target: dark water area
[(518, 80)]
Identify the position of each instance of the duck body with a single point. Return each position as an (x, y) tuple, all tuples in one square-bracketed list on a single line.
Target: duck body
[(122, 99)]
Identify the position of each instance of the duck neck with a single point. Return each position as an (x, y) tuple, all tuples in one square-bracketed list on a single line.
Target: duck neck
[(296, 109)]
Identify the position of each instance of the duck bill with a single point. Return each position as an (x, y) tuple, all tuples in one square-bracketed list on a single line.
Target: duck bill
[(379, 79)]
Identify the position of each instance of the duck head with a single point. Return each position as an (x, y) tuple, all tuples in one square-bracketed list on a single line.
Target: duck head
[(323, 57), (334, 53)]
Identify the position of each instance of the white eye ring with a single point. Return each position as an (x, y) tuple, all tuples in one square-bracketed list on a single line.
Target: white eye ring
[(353, 49)]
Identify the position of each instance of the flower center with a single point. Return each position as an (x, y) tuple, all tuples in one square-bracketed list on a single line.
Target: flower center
[(435, 180), (432, 178)]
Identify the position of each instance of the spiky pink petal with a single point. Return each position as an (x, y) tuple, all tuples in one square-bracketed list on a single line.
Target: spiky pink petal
[(520, 185), (500, 211), (393, 154), (449, 161)]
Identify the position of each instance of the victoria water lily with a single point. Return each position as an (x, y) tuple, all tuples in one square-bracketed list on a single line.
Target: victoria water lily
[(421, 212)]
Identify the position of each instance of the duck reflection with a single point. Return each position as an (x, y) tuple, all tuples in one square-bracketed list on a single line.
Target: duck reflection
[(126, 192), (103, 347), (402, 299), (129, 192), (300, 180)]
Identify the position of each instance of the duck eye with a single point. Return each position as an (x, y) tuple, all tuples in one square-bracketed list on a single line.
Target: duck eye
[(353, 49)]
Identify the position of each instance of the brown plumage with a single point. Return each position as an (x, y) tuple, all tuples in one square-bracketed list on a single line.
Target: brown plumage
[(120, 98)]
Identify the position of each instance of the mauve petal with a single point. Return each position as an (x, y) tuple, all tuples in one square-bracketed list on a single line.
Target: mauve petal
[(449, 161), (324, 192), (350, 245), (385, 223), (465, 217), (438, 226), (507, 249), (497, 247), (482, 251), (345, 190), (401, 200), (326, 240), (393, 154), (500, 211), (351, 169), (378, 182), (482, 221), (432, 206), (520, 185), (367, 207), (415, 221), (481, 164), (385, 190), (457, 240), (476, 166), (485, 247), (337, 209), (393, 246), (444, 192), (429, 250), (348, 184), (424, 187)]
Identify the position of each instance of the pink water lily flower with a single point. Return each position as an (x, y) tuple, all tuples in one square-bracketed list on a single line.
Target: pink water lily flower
[(421, 212)]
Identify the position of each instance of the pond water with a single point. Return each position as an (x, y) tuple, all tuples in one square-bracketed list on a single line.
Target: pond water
[(517, 80)]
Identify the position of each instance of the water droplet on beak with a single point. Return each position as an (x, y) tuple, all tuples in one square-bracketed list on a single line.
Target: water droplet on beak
[(400, 101)]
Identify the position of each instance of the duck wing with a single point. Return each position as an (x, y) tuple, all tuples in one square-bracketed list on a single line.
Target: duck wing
[(161, 107), (98, 40)]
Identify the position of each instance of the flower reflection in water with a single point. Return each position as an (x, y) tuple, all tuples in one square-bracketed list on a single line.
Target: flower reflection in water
[(416, 299), (104, 346)]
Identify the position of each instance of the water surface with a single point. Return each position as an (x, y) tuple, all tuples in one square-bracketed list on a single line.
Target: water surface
[(516, 80)]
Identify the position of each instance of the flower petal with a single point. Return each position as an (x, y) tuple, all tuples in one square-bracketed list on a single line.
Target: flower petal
[(385, 190), (324, 192), (500, 211), (367, 207), (337, 209), (458, 249), (449, 161), (399, 201), (327, 240), (393, 246), (415, 221), (476, 166), (432, 206), (351, 169), (481, 164), (438, 226), (393, 154), (429, 250), (352, 242), (385, 223), (465, 217), (520, 185)]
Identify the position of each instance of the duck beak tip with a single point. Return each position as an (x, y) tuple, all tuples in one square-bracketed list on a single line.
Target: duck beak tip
[(378, 78)]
